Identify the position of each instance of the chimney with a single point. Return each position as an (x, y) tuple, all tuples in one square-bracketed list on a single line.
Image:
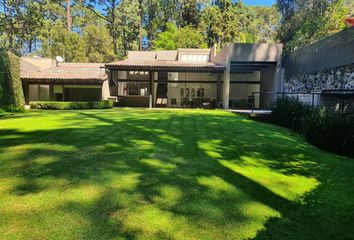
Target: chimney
[(212, 52)]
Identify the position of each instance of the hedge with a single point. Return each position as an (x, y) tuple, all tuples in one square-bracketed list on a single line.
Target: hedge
[(11, 92), (70, 105), (325, 128)]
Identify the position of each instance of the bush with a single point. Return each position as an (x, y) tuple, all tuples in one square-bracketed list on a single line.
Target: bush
[(70, 105), (330, 130), (289, 112), (327, 129), (11, 92)]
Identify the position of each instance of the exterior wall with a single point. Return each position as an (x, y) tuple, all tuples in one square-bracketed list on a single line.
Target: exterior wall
[(267, 53), (334, 78), (325, 64), (328, 53), (105, 90)]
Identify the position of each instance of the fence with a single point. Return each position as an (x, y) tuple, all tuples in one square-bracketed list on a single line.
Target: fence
[(342, 101)]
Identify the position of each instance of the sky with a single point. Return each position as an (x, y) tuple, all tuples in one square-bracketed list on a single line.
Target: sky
[(259, 2)]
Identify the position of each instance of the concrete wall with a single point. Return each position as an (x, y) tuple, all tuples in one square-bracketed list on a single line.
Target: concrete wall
[(331, 52), (105, 90), (261, 52), (325, 64)]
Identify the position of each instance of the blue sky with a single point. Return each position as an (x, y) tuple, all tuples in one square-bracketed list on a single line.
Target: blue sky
[(259, 2)]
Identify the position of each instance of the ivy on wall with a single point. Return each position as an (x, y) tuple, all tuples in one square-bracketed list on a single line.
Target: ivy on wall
[(11, 91)]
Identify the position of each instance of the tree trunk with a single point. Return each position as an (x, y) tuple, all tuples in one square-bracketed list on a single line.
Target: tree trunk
[(124, 43), (68, 15), (140, 25)]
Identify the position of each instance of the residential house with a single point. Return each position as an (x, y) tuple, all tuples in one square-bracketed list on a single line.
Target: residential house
[(180, 78)]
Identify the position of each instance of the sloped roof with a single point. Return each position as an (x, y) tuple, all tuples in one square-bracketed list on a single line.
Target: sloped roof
[(66, 72), (159, 65)]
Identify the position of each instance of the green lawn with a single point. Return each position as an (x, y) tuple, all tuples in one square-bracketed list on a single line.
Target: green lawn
[(172, 174)]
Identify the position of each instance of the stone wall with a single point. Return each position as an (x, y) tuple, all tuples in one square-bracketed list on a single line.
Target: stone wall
[(334, 78)]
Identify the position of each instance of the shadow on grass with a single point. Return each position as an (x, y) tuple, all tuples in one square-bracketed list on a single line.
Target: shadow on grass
[(185, 174)]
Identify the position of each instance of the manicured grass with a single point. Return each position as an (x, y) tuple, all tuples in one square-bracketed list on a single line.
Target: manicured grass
[(167, 174)]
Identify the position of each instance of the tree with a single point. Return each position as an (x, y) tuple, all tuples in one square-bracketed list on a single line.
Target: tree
[(98, 44), (304, 22), (173, 38), (109, 10), (19, 24), (68, 15), (265, 22), (190, 12), (60, 41)]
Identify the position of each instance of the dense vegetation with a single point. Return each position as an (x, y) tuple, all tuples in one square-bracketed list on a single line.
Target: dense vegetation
[(324, 128), (167, 174), (11, 94), (71, 105), (104, 30)]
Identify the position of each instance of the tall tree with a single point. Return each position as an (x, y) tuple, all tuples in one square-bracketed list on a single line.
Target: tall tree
[(98, 44), (68, 15), (109, 9)]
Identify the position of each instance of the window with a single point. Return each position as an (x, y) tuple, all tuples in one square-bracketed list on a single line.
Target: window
[(195, 58), (182, 92), (133, 89)]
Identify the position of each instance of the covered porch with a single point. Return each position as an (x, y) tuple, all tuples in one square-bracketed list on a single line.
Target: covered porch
[(166, 84)]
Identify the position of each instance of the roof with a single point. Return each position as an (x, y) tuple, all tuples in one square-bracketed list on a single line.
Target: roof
[(160, 65), (180, 60), (65, 73)]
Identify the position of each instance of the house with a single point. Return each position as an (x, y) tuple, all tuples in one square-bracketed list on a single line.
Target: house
[(45, 80), (196, 77), (179, 78)]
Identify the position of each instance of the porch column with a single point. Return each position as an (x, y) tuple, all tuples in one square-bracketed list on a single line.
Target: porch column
[(226, 86), (218, 88), (25, 85), (152, 88)]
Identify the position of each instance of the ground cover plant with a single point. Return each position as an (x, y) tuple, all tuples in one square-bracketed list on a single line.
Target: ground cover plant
[(167, 174)]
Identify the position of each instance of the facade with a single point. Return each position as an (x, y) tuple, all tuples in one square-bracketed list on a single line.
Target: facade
[(45, 80), (196, 77), (183, 78)]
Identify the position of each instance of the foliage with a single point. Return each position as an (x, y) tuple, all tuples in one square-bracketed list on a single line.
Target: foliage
[(330, 130), (289, 112), (155, 174), (40, 27), (11, 93), (70, 105), (304, 22), (173, 38), (324, 128), (98, 42), (60, 41)]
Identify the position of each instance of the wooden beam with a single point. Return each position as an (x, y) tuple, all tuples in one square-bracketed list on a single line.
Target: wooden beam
[(218, 88)]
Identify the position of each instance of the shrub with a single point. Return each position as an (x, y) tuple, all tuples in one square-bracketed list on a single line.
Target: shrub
[(11, 92), (330, 130), (324, 128), (70, 105), (289, 112)]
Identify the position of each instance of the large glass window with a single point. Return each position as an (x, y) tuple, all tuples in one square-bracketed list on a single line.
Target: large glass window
[(133, 89), (39, 92), (191, 94)]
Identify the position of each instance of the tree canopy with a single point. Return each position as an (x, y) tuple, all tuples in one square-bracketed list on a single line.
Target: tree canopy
[(104, 30)]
